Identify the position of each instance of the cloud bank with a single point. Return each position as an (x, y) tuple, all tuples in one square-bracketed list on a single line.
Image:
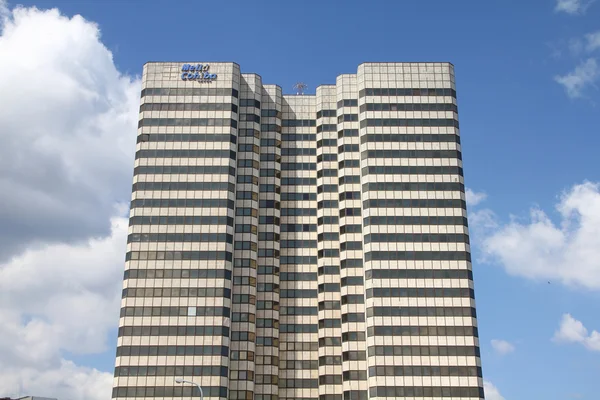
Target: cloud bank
[(67, 138)]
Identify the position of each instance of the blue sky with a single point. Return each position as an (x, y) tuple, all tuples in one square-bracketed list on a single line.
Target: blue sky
[(527, 79)]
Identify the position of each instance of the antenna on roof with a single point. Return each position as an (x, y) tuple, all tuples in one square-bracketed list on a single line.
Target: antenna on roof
[(300, 88)]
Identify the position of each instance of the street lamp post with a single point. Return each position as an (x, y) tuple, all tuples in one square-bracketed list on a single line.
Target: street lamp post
[(179, 380)]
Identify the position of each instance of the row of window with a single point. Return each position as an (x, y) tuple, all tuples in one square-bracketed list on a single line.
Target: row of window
[(180, 220), (415, 203), (249, 147), (347, 133), (349, 196), (298, 151), (297, 260), (408, 122), (298, 293), (327, 189), (269, 172), (416, 238), (180, 292), (187, 330), (242, 317), (298, 212), (250, 118), (346, 376), (408, 107), (417, 255), (329, 253), (188, 122), (270, 113), (414, 220), (251, 179), (409, 186), (327, 157), (353, 299), (185, 154), (417, 391), (142, 186), (326, 113), (249, 103), (180, 237), (326, 128), (299, 383), (266, 128), (176, 311), (348, 148), (298, 328), (298, 122), (419, 292), (402, 138), (410, 154), (292, 196), (186, 137), (247, 163), (246, 195), (178, 391), (347, 103), (298, 228), (144, 351), (298, 137), (161, 273), (329, 172), (204, 91), (299, 244), (183, 203), (329, 305), (416, 351), (248, 132), (184, 170), (352, 262), (188, 107), (270, 157), (350, 212), (180, 255), (349, 179), (422, 331), (346, 118), (327, 204), (299, 181), (406, 92), (349, 164), (298, 276), (416, 170), (269, 236), (265, 142), (419, 274)]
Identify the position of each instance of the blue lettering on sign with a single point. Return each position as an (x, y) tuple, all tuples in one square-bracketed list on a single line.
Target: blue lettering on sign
[(197, 72)]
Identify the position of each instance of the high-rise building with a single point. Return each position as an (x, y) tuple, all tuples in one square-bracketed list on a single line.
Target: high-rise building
[(298, 246)]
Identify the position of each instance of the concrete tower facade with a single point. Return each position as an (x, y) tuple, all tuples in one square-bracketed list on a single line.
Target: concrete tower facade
[(298, 246)]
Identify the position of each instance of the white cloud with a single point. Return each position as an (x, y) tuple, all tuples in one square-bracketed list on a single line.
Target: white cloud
[(573, 7), (4, 12), (67, 137), (540, 250), (59, 298), (592, 41), (502, 347), (67, 131), (474, 198), (573, 331), (491, 391), (584, 75), (66, 381)]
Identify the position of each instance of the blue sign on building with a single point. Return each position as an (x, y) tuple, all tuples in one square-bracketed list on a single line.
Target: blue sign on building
[(197, 72)]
